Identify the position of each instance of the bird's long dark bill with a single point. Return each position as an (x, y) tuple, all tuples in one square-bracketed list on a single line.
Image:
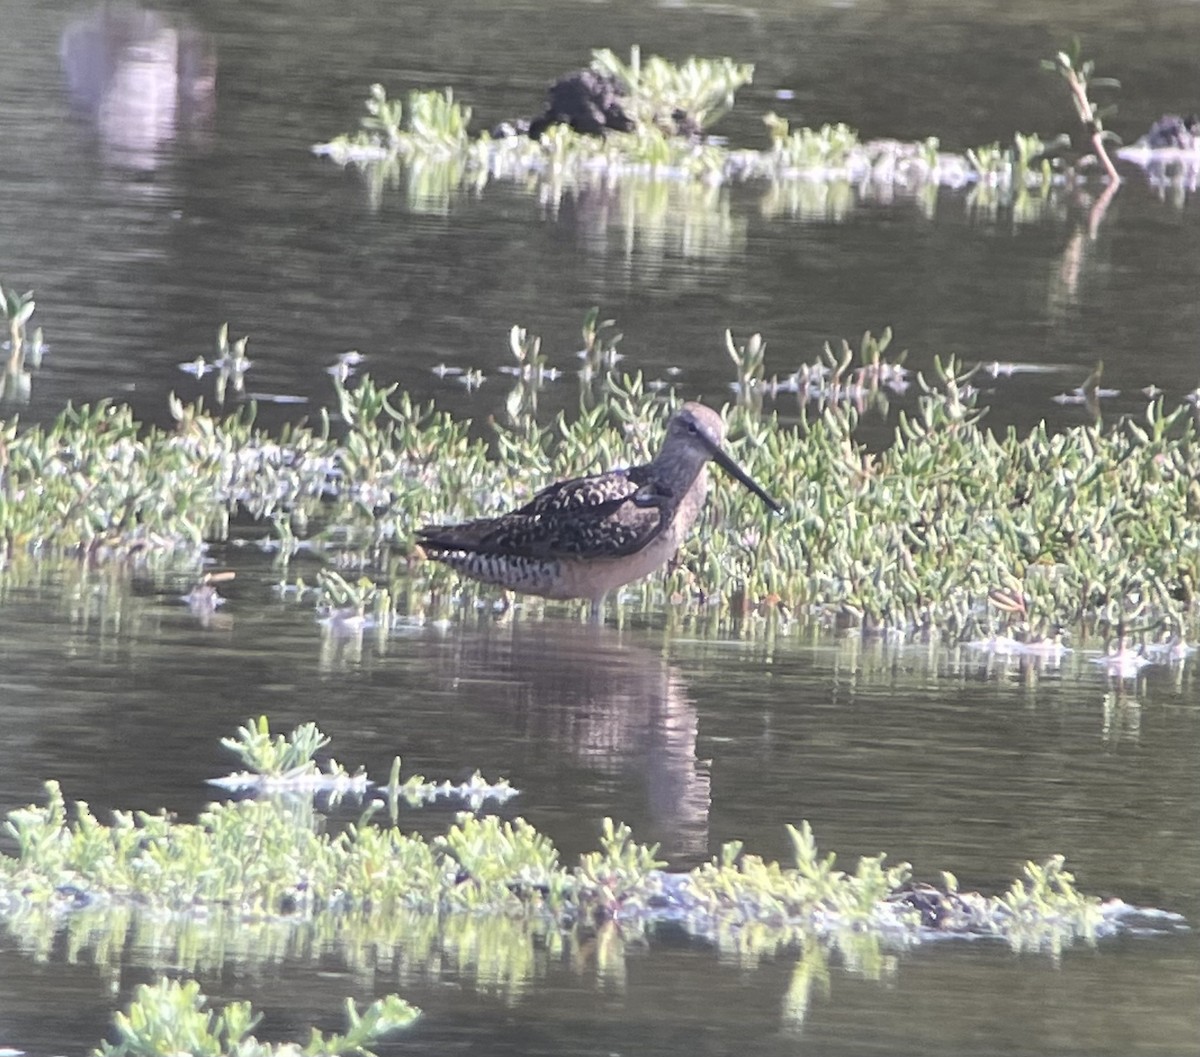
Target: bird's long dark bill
[(738, 474)]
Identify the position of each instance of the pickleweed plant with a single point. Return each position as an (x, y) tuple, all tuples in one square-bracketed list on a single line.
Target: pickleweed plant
[(951, 529), (17, 310), (425, 150), (352, 604), (747, 887), (431, 125), (16, 381), (278, 755), (1011, 165), (501, 862), (1078, 74), (657, 89), (804, 149), (621, 874), (173, 1017), (384, 116), (267, 879)]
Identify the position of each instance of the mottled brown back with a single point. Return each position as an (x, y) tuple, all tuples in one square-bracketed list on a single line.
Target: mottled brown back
[(609, 515)]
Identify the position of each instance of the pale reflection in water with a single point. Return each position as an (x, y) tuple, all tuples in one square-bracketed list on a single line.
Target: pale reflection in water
[(615, 707), (142, 81)]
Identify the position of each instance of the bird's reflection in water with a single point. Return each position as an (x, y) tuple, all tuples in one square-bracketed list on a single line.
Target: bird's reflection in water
[(617, 708), (143, 82)]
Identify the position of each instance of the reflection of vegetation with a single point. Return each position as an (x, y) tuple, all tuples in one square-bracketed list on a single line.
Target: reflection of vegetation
[(1095, 522), (657, 219), (263, 880), (820, 200), (172, 1017)]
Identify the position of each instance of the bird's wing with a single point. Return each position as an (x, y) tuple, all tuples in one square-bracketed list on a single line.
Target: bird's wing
[(608, 515)]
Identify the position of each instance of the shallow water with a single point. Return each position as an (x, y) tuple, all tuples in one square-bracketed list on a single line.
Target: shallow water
[(138, 248), (949, 758), (140, 237)]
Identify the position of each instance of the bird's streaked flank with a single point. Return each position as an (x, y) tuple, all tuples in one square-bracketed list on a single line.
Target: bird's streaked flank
[(583, 537)]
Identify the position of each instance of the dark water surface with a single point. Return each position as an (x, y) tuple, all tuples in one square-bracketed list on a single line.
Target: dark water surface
[(142, 233), (145, 225)]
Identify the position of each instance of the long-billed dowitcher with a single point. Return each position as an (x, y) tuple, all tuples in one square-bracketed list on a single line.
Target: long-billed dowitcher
[(583, 537)]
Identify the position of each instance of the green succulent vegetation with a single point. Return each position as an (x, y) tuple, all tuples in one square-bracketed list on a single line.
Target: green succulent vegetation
[(1078, 74), (17, 309), (563, 160), (657, 88), (951, 529), (173, 1017), (489, 895), (1026, 156), (23, 349), (278, 765), (829, 147), (278, 757), (426, 146)]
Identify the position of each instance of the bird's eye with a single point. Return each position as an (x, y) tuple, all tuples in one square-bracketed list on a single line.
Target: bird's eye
[(693, 428)]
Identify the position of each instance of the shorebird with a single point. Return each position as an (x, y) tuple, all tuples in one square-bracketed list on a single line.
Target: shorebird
[(584, 537)]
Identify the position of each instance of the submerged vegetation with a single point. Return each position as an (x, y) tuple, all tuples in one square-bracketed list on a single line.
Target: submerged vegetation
[(489, 895)]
